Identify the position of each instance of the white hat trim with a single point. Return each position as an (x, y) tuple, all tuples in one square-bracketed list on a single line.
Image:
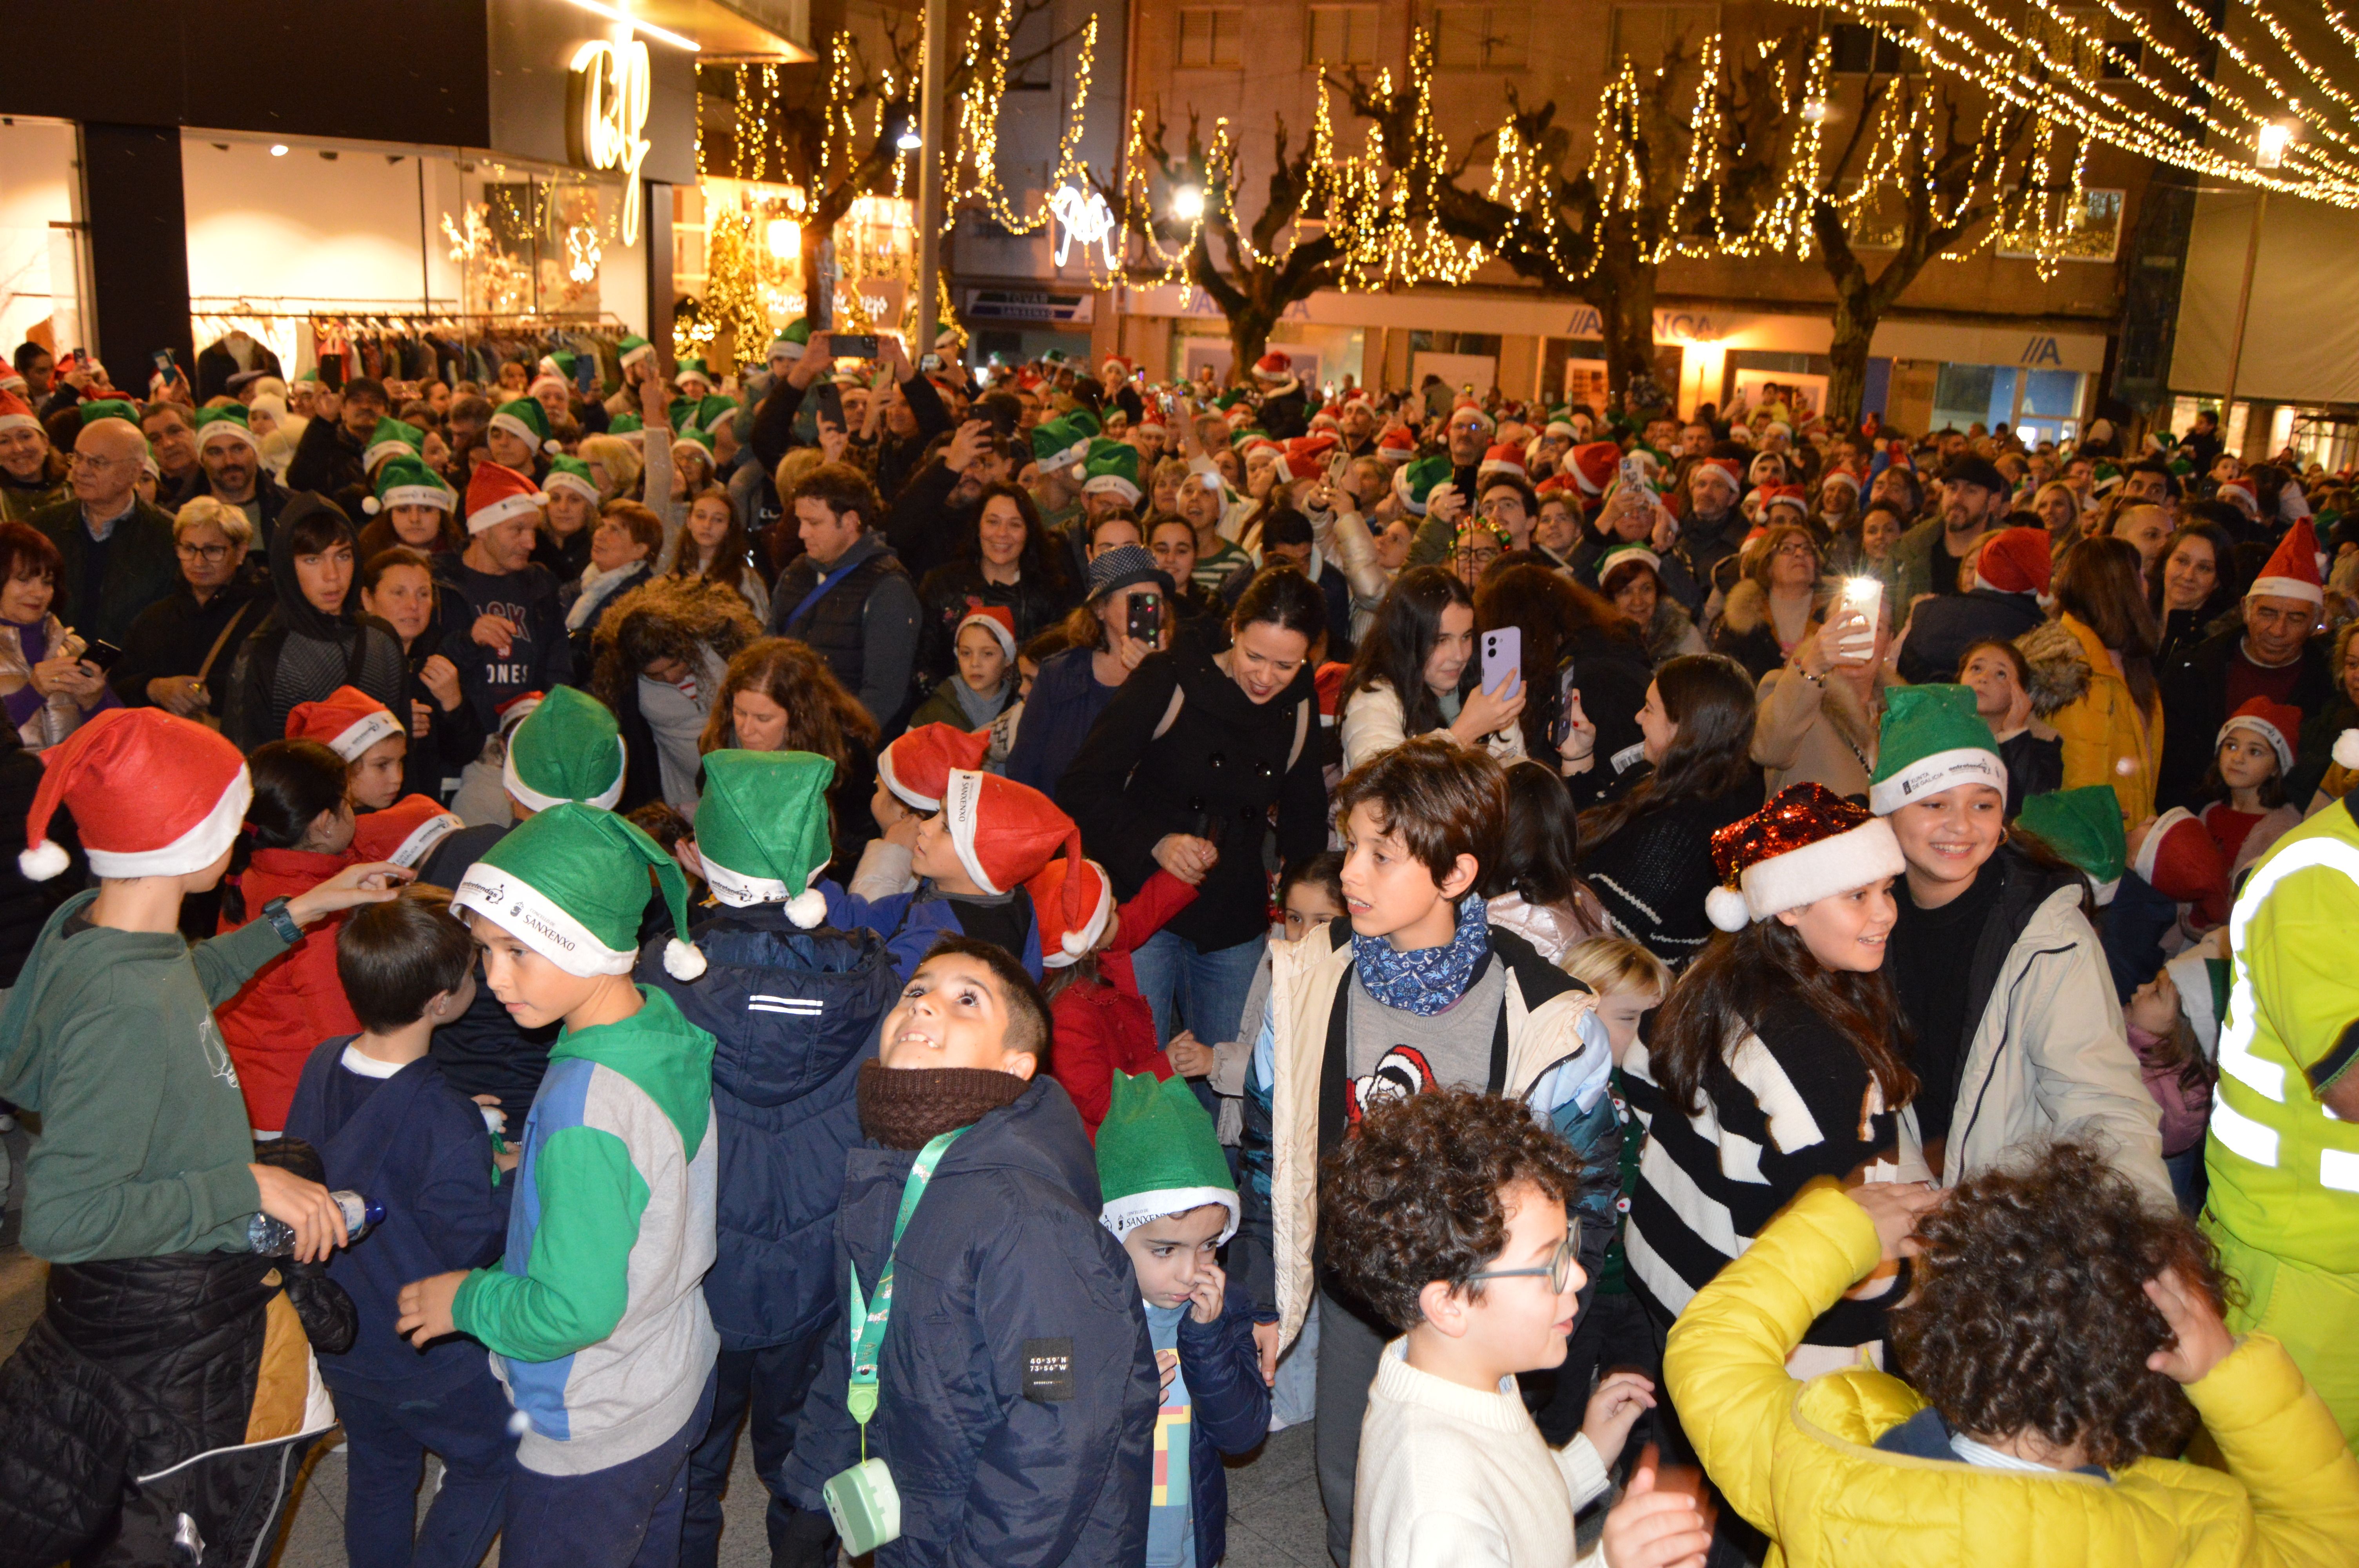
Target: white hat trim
[(633, 356), (428, 834), (229, 428), (903, 793), (1000, 635), (19, 422), (535, 919), (517, 427), (561, 480), (422, 495), (1931, 774), (1122, 1215), (500, 511), (2150, 848), (740, 891), (2285, 588), (362, 733), (687, 446), (382, 451), (1063, 954), (959, 802), (2265, 731), (1111, 484), (199, 847), (532, 797), (1615, 560), (1866, 854)]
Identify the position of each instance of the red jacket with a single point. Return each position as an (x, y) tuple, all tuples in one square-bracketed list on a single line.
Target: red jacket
[(294, 1001), (1106, 1025)]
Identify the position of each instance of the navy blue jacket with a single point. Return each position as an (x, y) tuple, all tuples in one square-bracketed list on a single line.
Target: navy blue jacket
[(484, 1051), (1058, 717), (1230, 1411), (792, 1015), (419, 1147), (1017, 1384)]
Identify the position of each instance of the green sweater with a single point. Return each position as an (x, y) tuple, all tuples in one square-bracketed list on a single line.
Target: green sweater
[(110, 1036)]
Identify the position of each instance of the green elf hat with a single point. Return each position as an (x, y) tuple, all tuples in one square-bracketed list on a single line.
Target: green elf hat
[(1064, 441), (225, 424), (762, 830), (1933, 741), (692, 369), (630, 427), (392, 439), (1056, 357), (98, 408), (528, 421), (571, 883), (697, 441), (573, 474), (633, 349), (2084, 826), (792, 340), (1245, 435), (560, 366), (1414, 481), (1111, 468), (568, 749), (1159, 1155), (1229, 399), (707, 413), (408, 481)]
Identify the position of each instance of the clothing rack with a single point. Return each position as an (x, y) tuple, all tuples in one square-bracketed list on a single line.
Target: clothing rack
[(303, 333)]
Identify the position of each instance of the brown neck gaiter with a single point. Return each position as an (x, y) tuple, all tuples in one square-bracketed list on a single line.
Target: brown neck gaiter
[(904, 1108)]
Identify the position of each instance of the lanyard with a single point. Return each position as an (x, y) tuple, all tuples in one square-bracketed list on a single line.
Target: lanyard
[(869, 1315)]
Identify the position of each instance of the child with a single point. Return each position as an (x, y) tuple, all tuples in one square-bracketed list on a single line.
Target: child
[(596, 1320), (1310, 894), (1169, 1199), (386, 1124), (359, 729), (2061, 1331), (1016, 1387), (1105, 1027), (983, 686), (2178, 1073), (405, 833), (1433, 997), (298, 829), (793, 1006), (2246, 784), (1455, 1217), (912, 775), (1533, 889)]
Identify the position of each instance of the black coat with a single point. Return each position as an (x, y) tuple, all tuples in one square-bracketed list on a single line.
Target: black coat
[(327, 459), (174, 636), (950, 592), (143, 566), (26, 906), (1944, 627)]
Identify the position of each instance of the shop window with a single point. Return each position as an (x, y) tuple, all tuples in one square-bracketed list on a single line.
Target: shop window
[(1342, 35), (1211, 38), (1481, 37), (1966, 395), (1648, 35)]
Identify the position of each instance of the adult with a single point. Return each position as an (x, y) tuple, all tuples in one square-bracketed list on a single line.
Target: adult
[(1768, 611), (624, 548), (329, 456), (1714, 527), (2149, 482), (2097, 657), (2272, 655), (566, 521), (1075, 686), (1628, 518), (32, 472), (397, 586), (230, 456), (47, 686), (1647, 855), (1631, 576), (115, 550), (1467, 434), (2012, 573), (2016, 1036), (662, 655), (316, 637), (1820, 710), (779, 695), (847, 595), (2314, 759), (1184, 771), (2058, 507), (179, 652), (1002, 559), (172, 443), (1171, 540), (1416, 675), (503, 627), (1975, 496), (2195, 587), (2147, 528), (930, 521)]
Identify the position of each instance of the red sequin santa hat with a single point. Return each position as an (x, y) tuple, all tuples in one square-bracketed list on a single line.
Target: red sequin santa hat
[(998, 619), (1073, 900), (2015, 560), (1004, 832), (1593, 465), (917, 767), (405, 832), (1807, 844), (2278, 723), (2292, 572), (153, 795), (347, 721), (2180, 859)]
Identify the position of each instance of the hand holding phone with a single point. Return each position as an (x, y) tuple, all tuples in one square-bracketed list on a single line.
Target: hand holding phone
[(1503, 660), (853, 345), (1860, 608), (1145, 618)]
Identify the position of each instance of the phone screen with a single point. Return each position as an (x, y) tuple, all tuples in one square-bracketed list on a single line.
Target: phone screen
[(1864, 595), (830, 405), (1503, 659)]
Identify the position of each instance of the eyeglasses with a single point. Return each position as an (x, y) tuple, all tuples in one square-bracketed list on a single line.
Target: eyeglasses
[(94, 465), (1797, 547), (1557, 1270), (211, 555)]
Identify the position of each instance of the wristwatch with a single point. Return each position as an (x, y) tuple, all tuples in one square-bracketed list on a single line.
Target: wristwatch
[(281, 922)]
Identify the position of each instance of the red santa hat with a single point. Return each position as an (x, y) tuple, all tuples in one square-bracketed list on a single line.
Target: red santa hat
[(1123, 369), (2292, 572), (2179, 859), (1784, 495), (1503, 459), (347, 721), (2243, 494), (1468, 405), (1272, 367), (496, 493), (1073, 900), (1004, 832), (16, 414), (2274, 722), (1734, 467), (917, 767), (153, 795), (2015, 560), (1841, 476), (1305, 457), (1807, 844), (999, 618), (1396, 444), (1593, 465), (1557, 483), (404, 832)]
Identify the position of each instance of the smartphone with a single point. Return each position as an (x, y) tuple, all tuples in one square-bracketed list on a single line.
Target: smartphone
[(1145, 617), (852, 345), (1634, 476), (930, 361), (1865, 595), (81, 359), (163, 365), (585, 374), (1503, 659), (830, 405), (100, 654)]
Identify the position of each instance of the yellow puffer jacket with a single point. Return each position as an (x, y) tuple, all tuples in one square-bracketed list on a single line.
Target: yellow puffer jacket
[(1796, 1458)]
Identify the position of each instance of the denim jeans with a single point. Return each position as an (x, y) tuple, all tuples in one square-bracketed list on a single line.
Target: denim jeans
[(1192, 989), (625, 1515), (386, 1443)]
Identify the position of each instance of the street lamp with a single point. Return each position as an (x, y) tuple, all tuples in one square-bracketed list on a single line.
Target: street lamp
[(1188, 203), (2268, 149)]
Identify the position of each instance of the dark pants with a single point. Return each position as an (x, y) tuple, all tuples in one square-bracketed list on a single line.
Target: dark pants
[(768, 1387), (385, 1447), (625, 1515), (1349, 1347)]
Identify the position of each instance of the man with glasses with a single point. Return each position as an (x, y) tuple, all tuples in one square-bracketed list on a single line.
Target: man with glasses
[(116, 549), (1507, 503)]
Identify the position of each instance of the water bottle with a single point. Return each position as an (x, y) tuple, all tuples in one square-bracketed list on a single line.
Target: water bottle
[(276, 1238)]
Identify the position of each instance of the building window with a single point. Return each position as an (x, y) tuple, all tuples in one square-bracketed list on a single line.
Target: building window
[(1858, 51), (1481, 37), (1211, 37), (1342, 35), (2091, 232), (1647, 35)]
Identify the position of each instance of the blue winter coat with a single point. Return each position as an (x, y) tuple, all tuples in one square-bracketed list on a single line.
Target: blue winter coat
[(910, 922), (1017, 1385), (793, 1014), (1229, 1411)]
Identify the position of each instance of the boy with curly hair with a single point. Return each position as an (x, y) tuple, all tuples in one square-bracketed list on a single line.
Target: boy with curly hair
[(2063, 1339), (1454, 1215)]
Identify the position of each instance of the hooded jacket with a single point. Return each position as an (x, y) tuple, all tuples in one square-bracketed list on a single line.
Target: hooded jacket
[(2106, 740), (301, 653), (1799, 1460), (1018, 1388)]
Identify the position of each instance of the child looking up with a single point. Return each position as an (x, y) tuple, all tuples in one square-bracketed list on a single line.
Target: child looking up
[(1105, 1027), (365, 733), (1454, 1215), (2246, 783), (1169, 1197), (2178, 1072), (595, 1320), (1014, 1407)]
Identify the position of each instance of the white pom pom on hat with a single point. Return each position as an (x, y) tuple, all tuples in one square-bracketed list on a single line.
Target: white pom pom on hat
[(682, 960), (2346, 749), (1727, 909), (807, 909), (43, 861)]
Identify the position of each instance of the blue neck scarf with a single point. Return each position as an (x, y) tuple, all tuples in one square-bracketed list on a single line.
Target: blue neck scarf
[(1424, 980)]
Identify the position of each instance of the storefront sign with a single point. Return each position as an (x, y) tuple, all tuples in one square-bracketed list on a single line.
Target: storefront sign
[(1028, 305), (1082, 215), (613, 85)]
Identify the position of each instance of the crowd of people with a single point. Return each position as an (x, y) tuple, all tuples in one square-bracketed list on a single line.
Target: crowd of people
[(1770, 981)]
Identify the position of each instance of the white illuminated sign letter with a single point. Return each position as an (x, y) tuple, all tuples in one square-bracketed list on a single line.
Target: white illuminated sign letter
[(1082, 216), (614, 85)]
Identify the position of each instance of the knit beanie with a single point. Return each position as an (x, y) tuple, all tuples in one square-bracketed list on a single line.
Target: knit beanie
[(404, 832), (917, 766), (1073, 900), (1805, 845), (2278, 723), (224, 424), (571, 884), (496, 493), (153, 795), (347, 721), (573, 474), (1159, 1154), (762, 830), (1932, 740), (408, 481), (2084, 826), (1004, 832), (569, 748), (391, 439), (2015, 560)]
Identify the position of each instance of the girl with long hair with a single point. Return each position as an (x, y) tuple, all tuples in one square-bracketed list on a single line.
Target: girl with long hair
[(1416, 675), (1534, 888), (778, 694), (2103, 641), (713, 545), (1577, 652)]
